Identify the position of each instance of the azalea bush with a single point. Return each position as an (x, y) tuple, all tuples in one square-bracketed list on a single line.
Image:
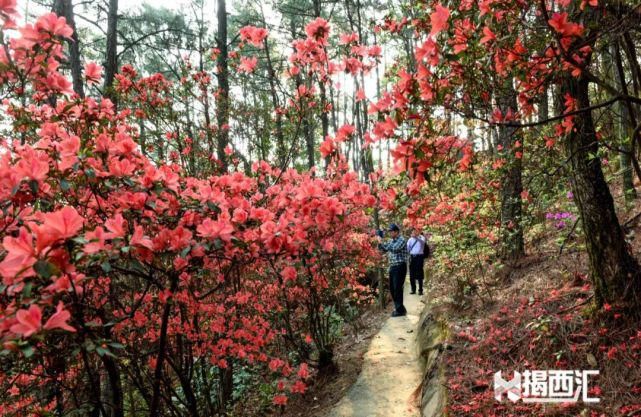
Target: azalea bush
[(128, 284), (495, 65)]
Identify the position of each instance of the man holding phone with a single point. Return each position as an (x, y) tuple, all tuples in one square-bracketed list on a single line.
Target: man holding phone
[(397, 254)]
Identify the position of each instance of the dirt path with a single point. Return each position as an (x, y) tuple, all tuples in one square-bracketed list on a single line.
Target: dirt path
[(390, 372)]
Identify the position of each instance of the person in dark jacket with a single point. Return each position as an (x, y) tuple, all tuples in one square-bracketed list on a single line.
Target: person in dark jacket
[(396, 248)]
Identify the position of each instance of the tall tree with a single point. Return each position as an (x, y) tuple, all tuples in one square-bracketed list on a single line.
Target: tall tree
[(624, 125), (324, 115), (512, 246), (615, 272), (65, 8), (222, 102), (281, 151), (226, 374), (111, 54)]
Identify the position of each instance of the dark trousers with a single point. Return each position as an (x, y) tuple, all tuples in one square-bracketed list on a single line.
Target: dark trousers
[(416, 271), (396, 280)]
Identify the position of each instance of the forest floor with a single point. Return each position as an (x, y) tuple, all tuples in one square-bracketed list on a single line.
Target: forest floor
[(538, 314), (326, 390)]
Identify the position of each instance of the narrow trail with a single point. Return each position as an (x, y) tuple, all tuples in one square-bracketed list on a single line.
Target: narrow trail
[(391, 371)]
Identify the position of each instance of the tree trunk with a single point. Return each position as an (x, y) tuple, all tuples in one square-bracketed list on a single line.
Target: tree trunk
[(613, 270), (308, 130), (113, 389), (624, 126), (321, 85), (544, 105), (226, 386), (512, 246), (368, 158), (222, 109), (111, 57), (281, 151), (65, 8), (324, 118), (163, 341), (202, 31)]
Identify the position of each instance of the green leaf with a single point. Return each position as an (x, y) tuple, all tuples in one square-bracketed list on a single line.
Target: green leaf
[(80, 240), (239, 243), (26, 290), (65, 185), (106, 266), (33, 184), (103, 351), (45, 269), (137, 266), (28, 351)]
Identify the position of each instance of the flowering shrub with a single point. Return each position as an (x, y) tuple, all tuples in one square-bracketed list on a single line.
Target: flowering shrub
[(560, 219), (119, 272)]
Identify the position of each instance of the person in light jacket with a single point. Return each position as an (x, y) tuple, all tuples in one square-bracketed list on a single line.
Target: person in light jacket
[(416, 246)]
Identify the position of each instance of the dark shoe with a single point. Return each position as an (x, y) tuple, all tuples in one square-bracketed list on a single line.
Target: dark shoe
[(398, 314), (420, 292), (412, 292)]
